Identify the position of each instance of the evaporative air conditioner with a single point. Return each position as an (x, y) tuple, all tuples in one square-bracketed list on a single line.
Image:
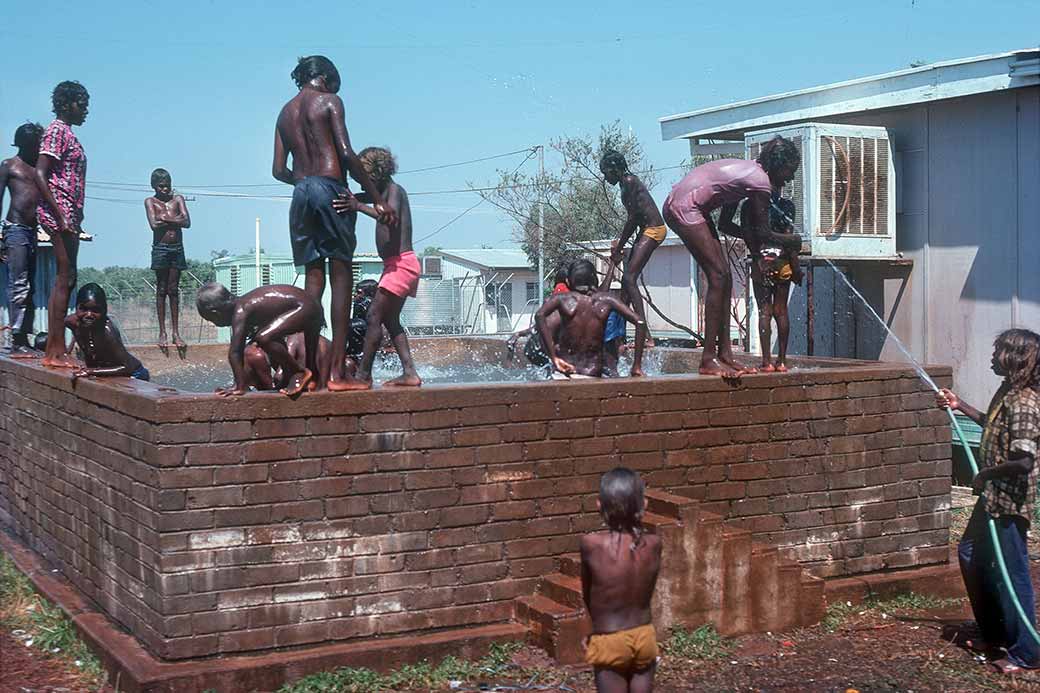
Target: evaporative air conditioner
[(431, 266), (844, 191)]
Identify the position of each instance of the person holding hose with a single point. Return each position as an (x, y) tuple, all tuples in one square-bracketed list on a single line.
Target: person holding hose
[(1006, 484)]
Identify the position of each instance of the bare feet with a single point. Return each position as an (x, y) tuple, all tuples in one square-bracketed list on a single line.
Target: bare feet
[(298, 383), (348, 384), (163, 341), (649, 343), (781, 367), (715, 367), (637, 373), (404, 381), (740, 368), (1005, 666), (767, 367), (63, 361), (178, 342)]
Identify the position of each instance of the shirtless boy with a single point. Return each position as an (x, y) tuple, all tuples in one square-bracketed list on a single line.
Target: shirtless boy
[(577, 350), (98, 338), (311, 127), (265, 316), (18, 231), (168, 216), (619, 568), (401, 272), (642, 214), (260, 375)]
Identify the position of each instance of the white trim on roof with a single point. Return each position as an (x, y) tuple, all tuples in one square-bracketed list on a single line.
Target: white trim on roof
[(943, 80)]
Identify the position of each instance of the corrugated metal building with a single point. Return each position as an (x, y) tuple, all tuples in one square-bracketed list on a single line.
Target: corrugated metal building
[(965, 136), (45, 270)]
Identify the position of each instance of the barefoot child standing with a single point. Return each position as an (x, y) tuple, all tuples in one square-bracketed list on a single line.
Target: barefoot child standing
[(1006, 484), (401, 270), (619, 569)]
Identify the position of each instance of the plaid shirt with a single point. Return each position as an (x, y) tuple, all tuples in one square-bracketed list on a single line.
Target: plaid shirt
[(1012, 425)]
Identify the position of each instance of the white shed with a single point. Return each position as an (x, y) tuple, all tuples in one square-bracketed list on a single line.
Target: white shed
[(498, 289), (965, 136)]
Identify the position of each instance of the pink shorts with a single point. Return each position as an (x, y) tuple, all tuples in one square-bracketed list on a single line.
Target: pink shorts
[(686, 213), (401, 274)]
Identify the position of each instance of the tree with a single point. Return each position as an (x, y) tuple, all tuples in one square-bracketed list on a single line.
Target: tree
[(431, 250), (579, 206)]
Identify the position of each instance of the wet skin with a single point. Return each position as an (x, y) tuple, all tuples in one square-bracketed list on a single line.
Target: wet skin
[(771, 300), (578, 347), (311, 127), (258, 368), (385, 311), (617, 586), (66, 252), (18, 175), (267, 316), (100, 343), (643, 213), (167, 216), (702, 242)]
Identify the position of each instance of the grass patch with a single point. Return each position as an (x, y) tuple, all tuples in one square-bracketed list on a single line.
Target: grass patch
[(703, 643), (838, 613), (45, 625), (422, 675)]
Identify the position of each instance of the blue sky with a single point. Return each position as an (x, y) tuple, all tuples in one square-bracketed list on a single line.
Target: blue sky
[(196, 86)]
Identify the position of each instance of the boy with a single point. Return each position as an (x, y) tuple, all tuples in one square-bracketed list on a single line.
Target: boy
[(168, 217), (98, 338), (18, 231), (642, 214), (266, 316), (577, 351), (619, 568), (401, 271), (1006, 484), (772, 271), (614, 332), (260, 375), (311, 128)]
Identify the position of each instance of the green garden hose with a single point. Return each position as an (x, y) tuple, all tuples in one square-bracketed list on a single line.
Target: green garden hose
[(993, 535)]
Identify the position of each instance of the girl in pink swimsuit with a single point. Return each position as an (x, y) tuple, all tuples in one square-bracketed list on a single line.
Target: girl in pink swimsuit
[(687, 211)]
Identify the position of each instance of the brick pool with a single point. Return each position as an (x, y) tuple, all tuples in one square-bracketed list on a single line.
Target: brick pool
[(207, 526)]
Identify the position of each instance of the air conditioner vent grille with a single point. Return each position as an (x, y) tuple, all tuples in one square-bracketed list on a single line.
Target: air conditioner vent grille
[(853, 186)]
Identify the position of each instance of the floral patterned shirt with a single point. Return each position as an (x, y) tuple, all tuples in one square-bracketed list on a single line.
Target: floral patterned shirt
[(68, 177)]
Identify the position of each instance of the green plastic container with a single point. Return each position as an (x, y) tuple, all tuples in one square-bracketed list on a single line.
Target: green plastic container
[(973, 433)]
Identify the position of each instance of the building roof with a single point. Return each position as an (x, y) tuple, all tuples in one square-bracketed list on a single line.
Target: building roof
[(933, 82), (489, 258), (281, 259)]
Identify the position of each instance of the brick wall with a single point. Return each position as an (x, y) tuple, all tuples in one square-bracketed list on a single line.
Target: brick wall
[(208, 526)]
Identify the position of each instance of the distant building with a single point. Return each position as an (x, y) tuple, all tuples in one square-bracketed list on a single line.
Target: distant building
[(965, 142), (496, 289)]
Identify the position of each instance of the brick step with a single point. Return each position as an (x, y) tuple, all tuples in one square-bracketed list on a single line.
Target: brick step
[(564, 589), (652, 522), (668, 504), (557, 628), (570, 564)]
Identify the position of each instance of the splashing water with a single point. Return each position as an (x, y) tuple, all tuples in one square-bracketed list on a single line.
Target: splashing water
[(921, 373)]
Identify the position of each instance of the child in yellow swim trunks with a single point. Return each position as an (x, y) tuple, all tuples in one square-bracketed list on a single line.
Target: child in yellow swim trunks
[(619, 567)]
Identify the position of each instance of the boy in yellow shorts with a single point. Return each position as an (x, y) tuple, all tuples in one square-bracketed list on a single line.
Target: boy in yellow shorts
[(644, 214), (619, 569)]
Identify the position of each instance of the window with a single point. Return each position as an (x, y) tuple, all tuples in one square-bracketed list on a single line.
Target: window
[(265, 274), (235, 281), (532, 291), (499, 294)]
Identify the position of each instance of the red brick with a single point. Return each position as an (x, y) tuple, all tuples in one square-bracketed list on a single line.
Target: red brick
[(332, 425), (241, 474), (532, 411), (227, 453), (477, 436), (267, 450), (436, 498), (220, 431), (279, 428), (520, 432), (440, 418), (324, 446), (296, 469), (376, 423), (346, 507), (479, 416)]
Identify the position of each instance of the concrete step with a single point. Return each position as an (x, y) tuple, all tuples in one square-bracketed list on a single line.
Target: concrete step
[(737, 588)]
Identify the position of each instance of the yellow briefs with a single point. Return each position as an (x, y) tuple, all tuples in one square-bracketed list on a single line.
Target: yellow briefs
[(629, 650), (656, 232)]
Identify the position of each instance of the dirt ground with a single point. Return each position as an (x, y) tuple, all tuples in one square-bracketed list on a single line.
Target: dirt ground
[(27, 670)]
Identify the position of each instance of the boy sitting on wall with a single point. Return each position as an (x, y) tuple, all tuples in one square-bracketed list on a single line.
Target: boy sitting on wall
[(577, 351)]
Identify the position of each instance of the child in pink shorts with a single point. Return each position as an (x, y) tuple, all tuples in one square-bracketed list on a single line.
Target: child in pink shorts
[(400, 271)]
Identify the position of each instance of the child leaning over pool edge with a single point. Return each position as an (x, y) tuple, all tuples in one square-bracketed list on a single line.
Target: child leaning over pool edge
[(1006, 484), (619, 569)]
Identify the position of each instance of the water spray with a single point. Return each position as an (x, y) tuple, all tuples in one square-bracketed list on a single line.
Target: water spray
[(1005, 577)]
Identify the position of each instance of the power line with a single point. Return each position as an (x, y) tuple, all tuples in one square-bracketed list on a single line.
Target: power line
[(478, 203), (145, 187)]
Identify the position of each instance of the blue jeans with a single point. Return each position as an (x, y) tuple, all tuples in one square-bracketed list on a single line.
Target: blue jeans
[(20, 248), (998, 621)]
